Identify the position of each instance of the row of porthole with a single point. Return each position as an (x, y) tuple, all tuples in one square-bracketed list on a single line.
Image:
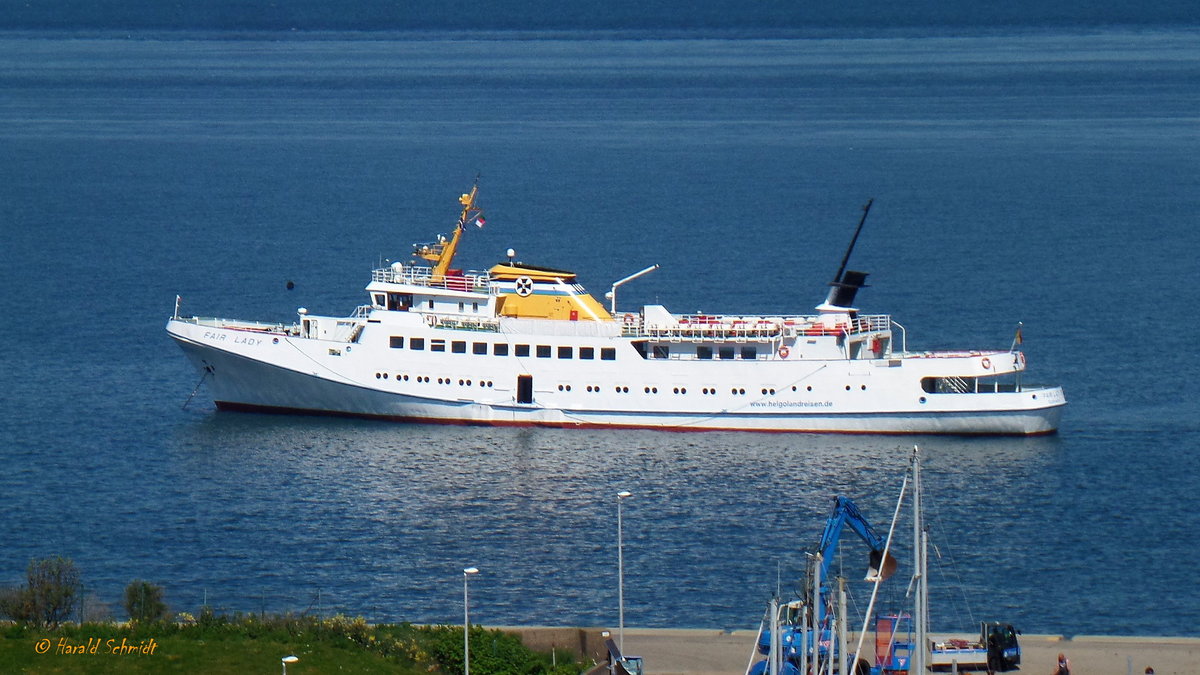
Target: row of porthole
[(710, 391), (441, 380), (736, 391)]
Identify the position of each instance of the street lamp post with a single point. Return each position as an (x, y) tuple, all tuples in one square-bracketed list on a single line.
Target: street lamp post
[(621, 497), (467, 621), (286, 660)]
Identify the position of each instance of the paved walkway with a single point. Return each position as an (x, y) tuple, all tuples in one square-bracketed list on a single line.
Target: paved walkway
[(713, 652)]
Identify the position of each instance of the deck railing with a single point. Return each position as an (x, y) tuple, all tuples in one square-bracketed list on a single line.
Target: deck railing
[(703, 326), (473, 280)]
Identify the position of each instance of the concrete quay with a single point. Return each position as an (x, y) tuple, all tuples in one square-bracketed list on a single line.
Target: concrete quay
[(673, 651)]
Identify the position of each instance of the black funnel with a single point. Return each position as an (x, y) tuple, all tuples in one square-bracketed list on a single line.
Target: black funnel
[(843, 292)]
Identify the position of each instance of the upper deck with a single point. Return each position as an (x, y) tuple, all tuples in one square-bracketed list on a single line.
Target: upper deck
[(418, 275), (661, 325)]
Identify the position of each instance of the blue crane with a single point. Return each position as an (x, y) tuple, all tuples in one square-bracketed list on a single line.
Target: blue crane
[(794, 636)]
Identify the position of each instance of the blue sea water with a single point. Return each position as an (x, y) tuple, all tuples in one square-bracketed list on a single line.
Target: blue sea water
[(1048, 177)]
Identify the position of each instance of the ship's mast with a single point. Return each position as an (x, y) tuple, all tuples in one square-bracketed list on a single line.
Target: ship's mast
[(442, 256)]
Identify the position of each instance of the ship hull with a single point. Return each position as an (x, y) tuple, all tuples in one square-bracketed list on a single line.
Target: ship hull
[(281, 373)]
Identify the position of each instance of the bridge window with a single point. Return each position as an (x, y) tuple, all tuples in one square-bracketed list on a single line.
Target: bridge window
[(749, 353), (608, 353), (416, 343), (704, 352), (479, 347), (726, 353), (587, 353), (458, 347), (500, 349), (398, 301), (396, 342), (565, 352), (522, 350), (543, 351), (437, 345), (662, 351)]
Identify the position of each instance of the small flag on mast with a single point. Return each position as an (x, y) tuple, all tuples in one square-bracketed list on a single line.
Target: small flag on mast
[(1018, 338), (479, 221)]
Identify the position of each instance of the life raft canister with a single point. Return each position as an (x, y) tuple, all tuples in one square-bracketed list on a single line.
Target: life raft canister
[(783, 352)]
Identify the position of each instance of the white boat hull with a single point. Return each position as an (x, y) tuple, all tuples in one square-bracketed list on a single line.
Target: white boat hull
[(278, 371)]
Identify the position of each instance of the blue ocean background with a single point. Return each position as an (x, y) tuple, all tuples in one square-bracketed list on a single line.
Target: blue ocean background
[(1037, 168)]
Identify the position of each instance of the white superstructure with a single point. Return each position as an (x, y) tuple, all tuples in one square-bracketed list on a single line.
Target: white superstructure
[(525, 345)]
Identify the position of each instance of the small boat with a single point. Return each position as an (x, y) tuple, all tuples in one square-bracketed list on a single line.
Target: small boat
[(527, 345)]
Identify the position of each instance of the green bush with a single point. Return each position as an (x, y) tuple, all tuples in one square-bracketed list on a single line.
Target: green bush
[(145, 602), (48, 597), (493, 652)]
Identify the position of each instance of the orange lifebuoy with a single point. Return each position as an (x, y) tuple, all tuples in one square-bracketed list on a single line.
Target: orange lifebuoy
[(986, 363), (783, 352)]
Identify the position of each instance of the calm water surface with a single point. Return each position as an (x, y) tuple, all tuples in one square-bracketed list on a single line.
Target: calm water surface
[(1043, 178)]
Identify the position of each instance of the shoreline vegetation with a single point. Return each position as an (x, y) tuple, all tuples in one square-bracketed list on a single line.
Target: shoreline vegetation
[(216, 643), (41, 637)]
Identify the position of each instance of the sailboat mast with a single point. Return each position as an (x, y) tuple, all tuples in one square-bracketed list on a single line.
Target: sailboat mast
[(921, 606)]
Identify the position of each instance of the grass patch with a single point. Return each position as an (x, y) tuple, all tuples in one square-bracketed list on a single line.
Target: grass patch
[(249, 643)]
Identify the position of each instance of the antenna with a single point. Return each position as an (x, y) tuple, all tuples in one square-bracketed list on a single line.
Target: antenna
[(837, 278)]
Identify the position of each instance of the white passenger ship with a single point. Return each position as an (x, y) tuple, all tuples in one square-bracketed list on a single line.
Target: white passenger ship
[(525, 345)]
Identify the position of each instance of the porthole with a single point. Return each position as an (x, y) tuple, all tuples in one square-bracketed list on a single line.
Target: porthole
[(810, 387), (377, 376), (741, 391), (922, 399), (847, 387), (385, 376), (864, 387)]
